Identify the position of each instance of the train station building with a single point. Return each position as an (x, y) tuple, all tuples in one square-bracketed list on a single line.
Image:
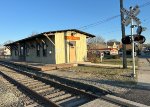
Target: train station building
[(53, 47)]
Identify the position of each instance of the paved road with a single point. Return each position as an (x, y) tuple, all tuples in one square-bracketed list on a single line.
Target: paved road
[(144, 71), (141, 92)]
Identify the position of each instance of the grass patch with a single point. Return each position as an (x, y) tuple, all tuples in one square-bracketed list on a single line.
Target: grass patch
[(119, 61), (100, 70), (114, 60), (116, 74)]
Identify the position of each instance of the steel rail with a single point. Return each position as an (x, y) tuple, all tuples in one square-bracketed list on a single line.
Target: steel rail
[(148, 60), (71, 89), (37, 96)]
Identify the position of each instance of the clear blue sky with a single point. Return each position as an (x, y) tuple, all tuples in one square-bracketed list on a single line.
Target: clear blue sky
[(20, 18)]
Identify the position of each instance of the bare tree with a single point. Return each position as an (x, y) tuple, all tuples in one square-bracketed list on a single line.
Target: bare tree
[(7, 42), (96, 40), (1, 45), (33, 33), (95, 43), (112, 40)]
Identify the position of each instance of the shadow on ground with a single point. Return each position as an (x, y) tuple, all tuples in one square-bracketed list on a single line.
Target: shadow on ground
[(135, 92)]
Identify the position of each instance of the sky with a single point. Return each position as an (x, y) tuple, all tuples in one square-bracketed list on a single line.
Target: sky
[(21, 18)]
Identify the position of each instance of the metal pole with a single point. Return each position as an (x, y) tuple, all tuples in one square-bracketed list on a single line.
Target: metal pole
[(133, 59), (123, 35)]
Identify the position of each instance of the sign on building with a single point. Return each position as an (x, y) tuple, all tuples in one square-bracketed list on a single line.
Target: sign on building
[(72, 38)]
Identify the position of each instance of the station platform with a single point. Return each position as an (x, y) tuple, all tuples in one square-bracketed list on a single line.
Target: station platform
[(41, 66), (49, 67)]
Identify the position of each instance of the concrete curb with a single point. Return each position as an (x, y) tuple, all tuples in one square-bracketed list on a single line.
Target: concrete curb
[(127, 101), (143, 86)]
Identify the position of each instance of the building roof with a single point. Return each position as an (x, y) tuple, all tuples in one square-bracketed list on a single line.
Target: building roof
[(112, 43), (50, 32)]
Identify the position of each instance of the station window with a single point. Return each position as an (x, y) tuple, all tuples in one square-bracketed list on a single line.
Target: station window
[(16, 52), (27, 51), (44, 49), (38, 49), (21, 50), (11, 51)]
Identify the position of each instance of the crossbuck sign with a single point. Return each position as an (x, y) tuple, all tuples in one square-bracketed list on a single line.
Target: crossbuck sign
[(131, 15)]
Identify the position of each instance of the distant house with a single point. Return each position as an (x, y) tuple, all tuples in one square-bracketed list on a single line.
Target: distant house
[(1, 51), (114, 47), (7, 51), (138, 48), (111, 48), (4, 51)]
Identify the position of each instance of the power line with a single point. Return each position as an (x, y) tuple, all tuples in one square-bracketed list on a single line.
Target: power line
[(108, 19), (99, 22), (145, 4)]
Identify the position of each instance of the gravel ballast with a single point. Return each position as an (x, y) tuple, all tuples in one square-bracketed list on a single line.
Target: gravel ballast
[(121, 89), (7, 97)]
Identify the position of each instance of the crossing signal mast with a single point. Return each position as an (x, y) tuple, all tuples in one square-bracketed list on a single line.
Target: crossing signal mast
[(130, 39)]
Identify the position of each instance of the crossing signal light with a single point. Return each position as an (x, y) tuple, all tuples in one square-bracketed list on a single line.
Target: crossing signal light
[(139, 38), (126, 40), (140, 29)]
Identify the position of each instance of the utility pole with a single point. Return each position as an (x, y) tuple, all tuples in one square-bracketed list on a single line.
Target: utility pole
[(123, 35)]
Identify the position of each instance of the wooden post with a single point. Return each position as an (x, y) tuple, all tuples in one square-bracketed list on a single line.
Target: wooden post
[(46, 35), (123, 35)]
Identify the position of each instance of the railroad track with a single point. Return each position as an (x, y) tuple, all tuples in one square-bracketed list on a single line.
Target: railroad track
[(51, 93), (25, 99), (148, 60)]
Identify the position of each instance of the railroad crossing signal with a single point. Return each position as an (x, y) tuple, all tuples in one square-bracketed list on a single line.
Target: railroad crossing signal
[(137, 38), (131, 15), (126, 40), (140, 29)]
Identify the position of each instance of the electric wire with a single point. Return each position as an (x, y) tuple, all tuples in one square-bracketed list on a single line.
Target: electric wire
[(99, 22), (145, 4), (108, 19)]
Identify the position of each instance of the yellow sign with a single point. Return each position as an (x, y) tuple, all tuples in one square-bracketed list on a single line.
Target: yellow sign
[(72, 38)]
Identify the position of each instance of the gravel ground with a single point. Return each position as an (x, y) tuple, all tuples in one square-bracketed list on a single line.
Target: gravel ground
[(121, 89), (7, 87), (7, 97), (114, 86), (138, 95)]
